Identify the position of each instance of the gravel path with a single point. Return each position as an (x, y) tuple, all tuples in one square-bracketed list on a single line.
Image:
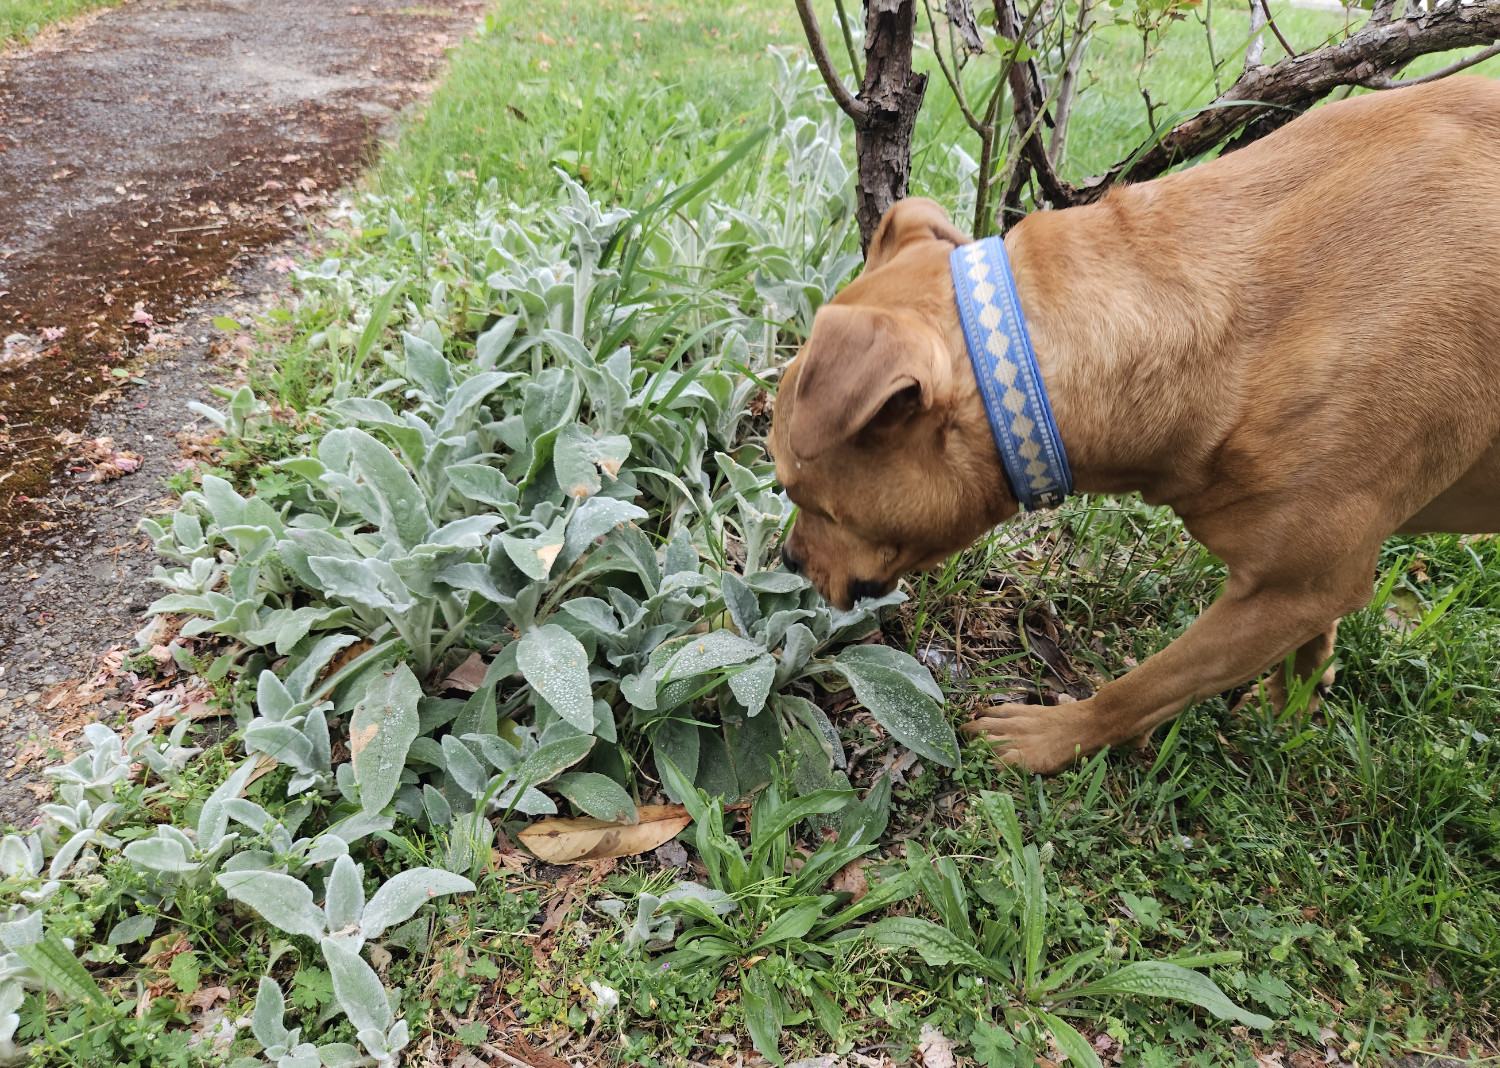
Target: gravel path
[(153, 166)]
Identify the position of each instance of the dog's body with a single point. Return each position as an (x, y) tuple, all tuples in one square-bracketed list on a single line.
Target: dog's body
[(1296, 347)]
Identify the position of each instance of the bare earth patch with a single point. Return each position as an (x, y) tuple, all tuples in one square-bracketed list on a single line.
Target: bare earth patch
[(145, 157)]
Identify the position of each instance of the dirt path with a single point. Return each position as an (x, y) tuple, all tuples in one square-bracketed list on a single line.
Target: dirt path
[(147, 161)]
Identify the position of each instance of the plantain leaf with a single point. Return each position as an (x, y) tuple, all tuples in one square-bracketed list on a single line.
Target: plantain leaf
[(1080, 1053), (937, 945), (1158, 979)]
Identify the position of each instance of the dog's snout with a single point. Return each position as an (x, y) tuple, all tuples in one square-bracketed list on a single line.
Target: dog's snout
[(859, 589), (790, 558)]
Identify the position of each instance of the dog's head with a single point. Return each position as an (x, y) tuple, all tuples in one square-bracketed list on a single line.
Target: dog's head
[(879, 433)]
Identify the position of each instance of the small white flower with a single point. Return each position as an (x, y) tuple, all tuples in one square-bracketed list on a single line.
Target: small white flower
[(607, 998)]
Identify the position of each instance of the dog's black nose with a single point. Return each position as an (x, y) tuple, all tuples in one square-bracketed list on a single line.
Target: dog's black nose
[(859, 589), (792, 561)]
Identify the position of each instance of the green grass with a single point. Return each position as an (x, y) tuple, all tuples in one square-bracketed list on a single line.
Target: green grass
[(622, 96), (21, 20), (1350, 857)]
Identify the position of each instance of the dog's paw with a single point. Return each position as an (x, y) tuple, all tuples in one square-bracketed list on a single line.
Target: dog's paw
[(1039, 738)]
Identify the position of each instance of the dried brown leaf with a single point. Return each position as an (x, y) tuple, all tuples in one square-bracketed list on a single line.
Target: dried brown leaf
[(568, 841), (468, 675)]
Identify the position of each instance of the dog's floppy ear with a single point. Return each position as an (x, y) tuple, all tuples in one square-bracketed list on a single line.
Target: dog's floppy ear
[(913, 219), (855, 362)]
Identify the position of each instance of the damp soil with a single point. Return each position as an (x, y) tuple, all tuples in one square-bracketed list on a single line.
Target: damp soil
[(158, 163)]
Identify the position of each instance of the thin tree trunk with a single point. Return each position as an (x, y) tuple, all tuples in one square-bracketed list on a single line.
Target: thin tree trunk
[(892, 95), (1257, 47)]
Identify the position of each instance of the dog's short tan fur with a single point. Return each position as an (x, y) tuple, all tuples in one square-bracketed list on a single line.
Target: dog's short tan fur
[(1295, 347)]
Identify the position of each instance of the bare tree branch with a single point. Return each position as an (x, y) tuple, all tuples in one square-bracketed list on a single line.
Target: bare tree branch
[(854, 63), (1453, 68), (855, 109), (1285, 44), (1067, 89), (1267, 97), (961, 17)]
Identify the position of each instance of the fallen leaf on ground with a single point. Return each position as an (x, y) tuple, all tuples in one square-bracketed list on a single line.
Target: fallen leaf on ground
[(672, 855), (537, 1058), (264, 766), (851, 879), (204, 999), (936, 1050), (24, 756), (468, 675), (567, 841)]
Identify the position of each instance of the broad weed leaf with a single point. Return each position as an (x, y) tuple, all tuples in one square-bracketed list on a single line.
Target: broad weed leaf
[(1155, 978)]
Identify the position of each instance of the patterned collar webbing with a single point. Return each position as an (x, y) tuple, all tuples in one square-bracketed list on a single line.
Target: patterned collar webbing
[(1009, 379)]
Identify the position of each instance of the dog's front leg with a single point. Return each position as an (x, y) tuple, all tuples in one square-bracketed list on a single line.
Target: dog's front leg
[(1252, 625)]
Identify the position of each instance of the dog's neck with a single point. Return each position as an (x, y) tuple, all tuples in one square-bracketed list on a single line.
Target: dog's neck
[(1116, 316)]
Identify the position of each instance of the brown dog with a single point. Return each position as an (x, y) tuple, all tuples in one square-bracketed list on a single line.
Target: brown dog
[(1295, 347)]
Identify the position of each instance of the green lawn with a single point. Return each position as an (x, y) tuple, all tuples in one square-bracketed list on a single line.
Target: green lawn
[(21, 20)]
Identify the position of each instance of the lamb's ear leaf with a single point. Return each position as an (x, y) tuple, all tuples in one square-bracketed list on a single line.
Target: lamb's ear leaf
[(401, 895), (381, 731), (270, 1008), (598, 795), (284, 902), (357, 988), (463, 767), (557, 666), (345, 898)]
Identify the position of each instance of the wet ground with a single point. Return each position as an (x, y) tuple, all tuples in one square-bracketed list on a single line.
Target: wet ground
[(148, 162)]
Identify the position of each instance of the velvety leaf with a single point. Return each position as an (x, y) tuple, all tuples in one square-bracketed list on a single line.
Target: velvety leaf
[(270, 1009), (401, 895), (463, 767), (551, 759), (380, 732), (358, 989), (901, 706), (345, 894), (556, 665), (284, 902), (481, 483), (710, 652), (598, 795)]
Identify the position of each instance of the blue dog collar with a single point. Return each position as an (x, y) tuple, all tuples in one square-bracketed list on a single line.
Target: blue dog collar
[(1010, 382)]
